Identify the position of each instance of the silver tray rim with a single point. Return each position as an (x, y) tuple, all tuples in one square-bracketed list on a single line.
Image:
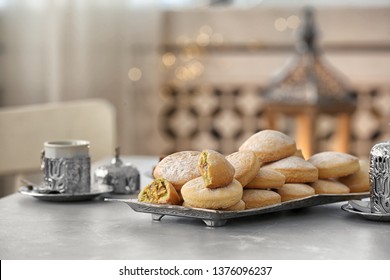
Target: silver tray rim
[(219, 217), (96, 190), (348, 207)]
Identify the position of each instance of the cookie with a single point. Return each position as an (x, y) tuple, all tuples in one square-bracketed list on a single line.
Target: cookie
[(334, 164), (267, 178), (299, 153), (178, 168), (295, 191), (327, 186), (236, 207), (246, 166), (215, 169), (270, 145), (255, 198), (358, 181), (196, 194), (295, 169), (159, 191)]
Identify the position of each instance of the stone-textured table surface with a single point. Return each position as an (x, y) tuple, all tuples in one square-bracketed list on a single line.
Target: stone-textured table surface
[(34, 229)]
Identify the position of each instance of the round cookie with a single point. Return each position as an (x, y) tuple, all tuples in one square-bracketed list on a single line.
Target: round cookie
[(270, 145), (358, 181), (236, 207), (334, 164), (196, 194), (246, 166), (178, 168), (295, 169), (327, 186), (255, 198), (295, 191), (215, 169), (159, 191), (267, 178)]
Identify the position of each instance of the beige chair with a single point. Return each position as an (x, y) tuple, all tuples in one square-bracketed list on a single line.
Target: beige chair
[(24, 129)]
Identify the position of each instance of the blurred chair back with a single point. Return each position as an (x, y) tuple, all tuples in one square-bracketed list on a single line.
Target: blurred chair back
[(24, 129)]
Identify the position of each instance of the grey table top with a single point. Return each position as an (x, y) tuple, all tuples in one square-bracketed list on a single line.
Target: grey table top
[(35, 229)]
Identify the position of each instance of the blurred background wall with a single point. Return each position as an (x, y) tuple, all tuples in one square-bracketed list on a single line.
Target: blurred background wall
[(189, 74)]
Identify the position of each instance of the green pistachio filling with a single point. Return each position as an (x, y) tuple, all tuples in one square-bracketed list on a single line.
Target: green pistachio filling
[(154, 191), (203, 164)]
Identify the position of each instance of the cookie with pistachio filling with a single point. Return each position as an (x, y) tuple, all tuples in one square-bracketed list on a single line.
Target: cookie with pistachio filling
[(215, 169), (160, 191)]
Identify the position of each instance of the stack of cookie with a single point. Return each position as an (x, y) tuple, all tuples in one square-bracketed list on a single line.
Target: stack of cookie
[(340, 173), (199, 179), (266, 170), (216, 188), (283, 171), (323, 173)]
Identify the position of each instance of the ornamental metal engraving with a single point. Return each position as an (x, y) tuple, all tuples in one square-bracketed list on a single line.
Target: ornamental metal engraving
[(124, 177), (379, 178), (67, 175)]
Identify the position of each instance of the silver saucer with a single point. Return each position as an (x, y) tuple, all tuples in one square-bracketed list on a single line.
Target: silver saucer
[(96, 190), (363, 209)]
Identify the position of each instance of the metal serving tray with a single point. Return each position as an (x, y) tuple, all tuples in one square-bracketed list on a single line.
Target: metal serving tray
[(216, 218)]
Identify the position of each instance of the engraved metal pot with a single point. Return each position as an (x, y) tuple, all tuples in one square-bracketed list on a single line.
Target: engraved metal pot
[(379, 178), (124, 177)]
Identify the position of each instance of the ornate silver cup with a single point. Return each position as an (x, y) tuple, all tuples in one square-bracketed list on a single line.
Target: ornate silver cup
[(66, 167), (379, 178)]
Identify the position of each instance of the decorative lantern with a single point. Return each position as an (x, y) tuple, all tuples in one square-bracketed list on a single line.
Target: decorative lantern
[(308, 87)]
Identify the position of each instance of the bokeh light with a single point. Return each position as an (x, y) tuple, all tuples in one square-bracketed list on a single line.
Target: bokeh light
[(135, 74)]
